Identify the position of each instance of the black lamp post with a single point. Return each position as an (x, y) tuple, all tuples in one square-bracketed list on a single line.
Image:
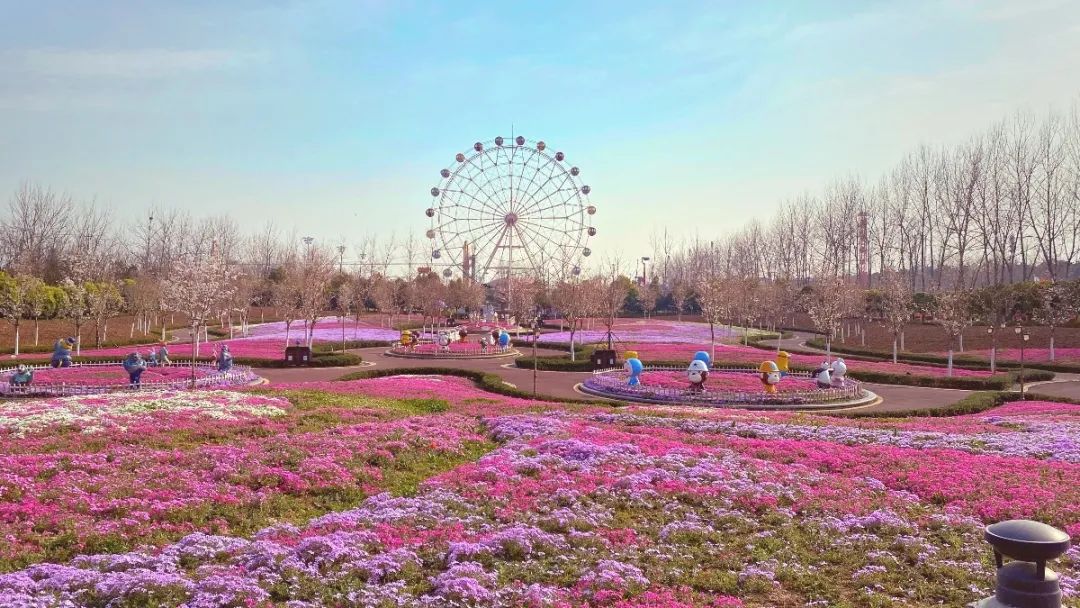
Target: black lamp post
[(1025, 582), (1025, 336)]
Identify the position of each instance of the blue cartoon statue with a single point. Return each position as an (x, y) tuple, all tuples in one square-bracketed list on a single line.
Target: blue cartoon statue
[(702, 355), (23, 376), (61, 356), (633, 365), (134, 366), (224, 359), (504, 339)]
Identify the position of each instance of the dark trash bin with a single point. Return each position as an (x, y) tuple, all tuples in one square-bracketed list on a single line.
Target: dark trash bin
[(297, 355), (604, 359)]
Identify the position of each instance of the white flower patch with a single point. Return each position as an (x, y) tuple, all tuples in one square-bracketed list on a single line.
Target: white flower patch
[(96, 413)]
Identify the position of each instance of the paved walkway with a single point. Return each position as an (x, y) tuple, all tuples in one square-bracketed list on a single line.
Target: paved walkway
[(1063, 385), (895, 398)]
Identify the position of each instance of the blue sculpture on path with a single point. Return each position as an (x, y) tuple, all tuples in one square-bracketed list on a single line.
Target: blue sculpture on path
[(634, 366), (504, 339), (224, 359), (134, 366), (61, 356)]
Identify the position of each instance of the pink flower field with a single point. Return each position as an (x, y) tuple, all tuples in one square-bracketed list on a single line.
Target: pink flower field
[(113, 375), (726, 381), (1065, 356), (426, 491)]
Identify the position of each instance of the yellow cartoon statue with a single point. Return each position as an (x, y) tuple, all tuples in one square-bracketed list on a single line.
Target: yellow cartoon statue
[(407, 339), (770, 376), (783, 360)]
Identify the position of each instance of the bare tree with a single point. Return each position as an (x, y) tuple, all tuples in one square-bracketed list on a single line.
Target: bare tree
[(953, 312), (1058, 304), (895, 307)]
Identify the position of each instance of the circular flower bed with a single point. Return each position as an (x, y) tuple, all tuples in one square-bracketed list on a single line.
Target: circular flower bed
[(724, 387), (456, 350), (90, 378)]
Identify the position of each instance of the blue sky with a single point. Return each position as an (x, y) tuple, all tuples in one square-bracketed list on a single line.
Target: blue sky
[(335, 117)]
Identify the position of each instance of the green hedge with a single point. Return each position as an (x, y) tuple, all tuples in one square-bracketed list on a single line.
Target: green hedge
[(488, 382), (972, 404)]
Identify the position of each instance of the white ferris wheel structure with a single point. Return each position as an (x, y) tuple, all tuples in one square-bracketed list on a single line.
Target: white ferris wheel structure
[(510, 207)]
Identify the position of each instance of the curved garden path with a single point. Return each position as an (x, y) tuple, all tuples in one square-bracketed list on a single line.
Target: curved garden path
[(894, 398)]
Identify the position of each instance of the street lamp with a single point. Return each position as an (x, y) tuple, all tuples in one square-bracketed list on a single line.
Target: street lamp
[(309, 240), (1025, 336), (644, 277), (341, 258)]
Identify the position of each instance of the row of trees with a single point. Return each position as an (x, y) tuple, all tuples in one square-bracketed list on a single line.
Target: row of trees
[(1000, 208)]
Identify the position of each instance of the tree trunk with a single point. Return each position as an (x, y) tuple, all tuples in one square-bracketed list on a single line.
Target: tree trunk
[(961, 342), (894, 350), (1051, 343), (902, 347), (194, 351), (35, 331), (572, 354), (712, 341), (948, 371), (16, 339)]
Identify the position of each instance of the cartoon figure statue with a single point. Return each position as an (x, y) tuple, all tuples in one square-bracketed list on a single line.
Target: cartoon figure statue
[(61, 356), (134, 366), (224, 359), (770, 376), (23, 376), (783, 362), (697, 374), (163, 354), (444, 342), (633, 365), (504, 339), (823, 376), (839, 371), (630, 354), (407, 339), (703, 356)]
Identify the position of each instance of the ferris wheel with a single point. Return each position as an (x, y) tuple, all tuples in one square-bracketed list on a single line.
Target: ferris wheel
[(510, 207)]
